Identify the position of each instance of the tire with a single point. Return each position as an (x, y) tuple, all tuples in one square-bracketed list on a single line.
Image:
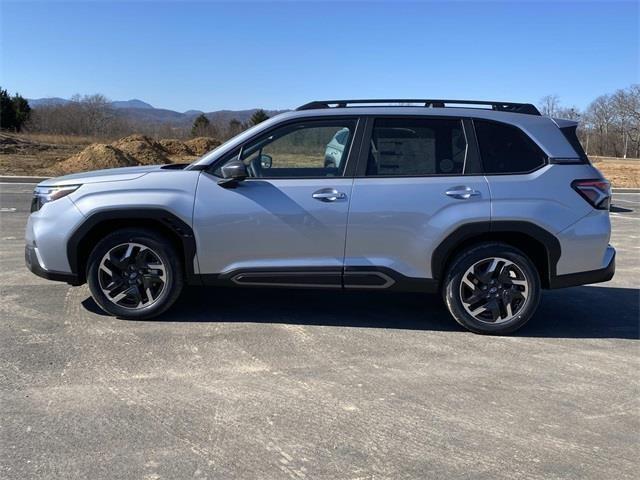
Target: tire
[(135, 266), (513, 289)]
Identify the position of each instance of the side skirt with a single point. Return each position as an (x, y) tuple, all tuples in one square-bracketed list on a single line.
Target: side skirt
[(352, 278)]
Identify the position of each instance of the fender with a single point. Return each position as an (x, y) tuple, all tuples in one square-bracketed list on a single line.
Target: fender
[(443, 251), (165, 219)]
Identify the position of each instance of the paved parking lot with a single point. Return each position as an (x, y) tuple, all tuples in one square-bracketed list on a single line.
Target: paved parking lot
[(303, 384)]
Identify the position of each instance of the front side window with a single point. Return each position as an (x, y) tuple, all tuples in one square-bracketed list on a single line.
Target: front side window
[(310, 149), (417, 147), (506, 149)]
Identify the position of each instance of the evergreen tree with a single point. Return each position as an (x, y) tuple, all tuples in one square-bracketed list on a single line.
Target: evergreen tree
[(14, 111), (7, 111), (259, 116), (200, 126), (22, 111)]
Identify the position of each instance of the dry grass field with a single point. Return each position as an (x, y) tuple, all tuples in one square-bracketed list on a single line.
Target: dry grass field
[(621, 172), (46, 155)]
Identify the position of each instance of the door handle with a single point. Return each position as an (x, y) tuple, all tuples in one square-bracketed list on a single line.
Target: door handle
[(328, 195), (462, 193)]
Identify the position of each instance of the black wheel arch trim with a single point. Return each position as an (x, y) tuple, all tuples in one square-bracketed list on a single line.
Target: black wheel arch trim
[(164, 218), (442, 253)]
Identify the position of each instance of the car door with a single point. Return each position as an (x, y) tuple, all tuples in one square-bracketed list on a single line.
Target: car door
[(286, 223), (418, 179)]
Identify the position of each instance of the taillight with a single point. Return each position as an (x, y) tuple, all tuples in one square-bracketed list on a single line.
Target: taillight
[(596, 192)]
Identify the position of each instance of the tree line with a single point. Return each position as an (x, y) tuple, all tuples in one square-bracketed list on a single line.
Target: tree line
[(203, 127), (93, 115), (609, 126)]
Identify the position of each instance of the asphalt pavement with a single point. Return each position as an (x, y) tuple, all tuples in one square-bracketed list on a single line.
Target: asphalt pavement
[(306, 384)]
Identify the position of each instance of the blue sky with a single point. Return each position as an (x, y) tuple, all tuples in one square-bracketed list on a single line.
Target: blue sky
[(214, 55)]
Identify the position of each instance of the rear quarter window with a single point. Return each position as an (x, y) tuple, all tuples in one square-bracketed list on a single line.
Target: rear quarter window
[(571, 135), (507, 149)]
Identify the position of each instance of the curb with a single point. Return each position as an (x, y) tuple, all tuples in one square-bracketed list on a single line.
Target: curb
[(21, 179)]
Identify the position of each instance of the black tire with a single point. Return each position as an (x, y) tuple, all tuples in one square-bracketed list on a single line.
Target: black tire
[(477, 256), (172, 278)]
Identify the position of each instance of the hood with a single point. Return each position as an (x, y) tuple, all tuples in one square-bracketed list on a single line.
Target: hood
[(107, 175)]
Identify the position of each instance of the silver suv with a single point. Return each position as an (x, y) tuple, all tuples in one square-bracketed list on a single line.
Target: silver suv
[(484, 202)]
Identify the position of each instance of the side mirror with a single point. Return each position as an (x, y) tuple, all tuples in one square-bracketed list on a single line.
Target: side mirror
[(266, 161), (232, 173)]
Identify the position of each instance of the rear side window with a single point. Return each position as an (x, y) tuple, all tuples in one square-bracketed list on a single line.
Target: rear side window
[(416, 147), (507, 149), (572, 137)]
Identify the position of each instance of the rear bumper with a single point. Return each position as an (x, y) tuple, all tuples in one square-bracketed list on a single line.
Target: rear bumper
[(593, 276), (32, 260)]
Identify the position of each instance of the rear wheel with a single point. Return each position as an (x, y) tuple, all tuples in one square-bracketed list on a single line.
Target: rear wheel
[(492, 288), (134, 273)]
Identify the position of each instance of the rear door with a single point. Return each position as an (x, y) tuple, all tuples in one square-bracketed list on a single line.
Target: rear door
[(418, 179), (286, 223)]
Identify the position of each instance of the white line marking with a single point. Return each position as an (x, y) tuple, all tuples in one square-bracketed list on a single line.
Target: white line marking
[(625, 201), (7, 209), (618, 215), (19, 183)]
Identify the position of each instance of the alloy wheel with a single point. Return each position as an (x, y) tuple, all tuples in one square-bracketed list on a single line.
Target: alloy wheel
[(494, 290), (132, 275)]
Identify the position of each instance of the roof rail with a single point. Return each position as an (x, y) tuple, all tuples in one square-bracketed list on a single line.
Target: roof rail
[(527, 108)]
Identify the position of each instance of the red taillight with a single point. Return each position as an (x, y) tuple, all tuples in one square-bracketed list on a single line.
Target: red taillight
[(596, 192)]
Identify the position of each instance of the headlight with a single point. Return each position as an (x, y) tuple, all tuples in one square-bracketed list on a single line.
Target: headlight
[(42, 195)]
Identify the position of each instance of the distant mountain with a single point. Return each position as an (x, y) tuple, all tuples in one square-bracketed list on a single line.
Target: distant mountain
[(134, 103), (42, 102), (139, 111)]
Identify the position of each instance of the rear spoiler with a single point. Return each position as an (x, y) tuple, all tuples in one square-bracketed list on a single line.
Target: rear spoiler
[(564, 123)]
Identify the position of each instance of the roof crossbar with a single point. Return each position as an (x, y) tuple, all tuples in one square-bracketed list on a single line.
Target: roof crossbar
[(526, 108)]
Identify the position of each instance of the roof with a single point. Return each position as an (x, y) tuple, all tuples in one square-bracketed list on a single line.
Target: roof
[(513, 107)]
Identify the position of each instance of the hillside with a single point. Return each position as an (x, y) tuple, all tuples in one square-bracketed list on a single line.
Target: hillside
[(137, 111)]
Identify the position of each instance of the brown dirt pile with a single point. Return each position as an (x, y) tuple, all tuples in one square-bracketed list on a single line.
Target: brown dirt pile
[(175, 147), (95, 157), (143, 149), (202, 145)]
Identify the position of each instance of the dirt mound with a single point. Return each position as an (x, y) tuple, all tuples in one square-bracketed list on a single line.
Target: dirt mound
[(175, 147), (202, 145), (144, 149), (95, 157)]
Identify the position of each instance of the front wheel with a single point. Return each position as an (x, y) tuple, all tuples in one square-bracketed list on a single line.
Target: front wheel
[(134, 273), (492, 288)]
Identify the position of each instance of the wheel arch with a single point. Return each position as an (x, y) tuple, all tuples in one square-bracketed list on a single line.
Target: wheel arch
[(85, 237), (541, 246)]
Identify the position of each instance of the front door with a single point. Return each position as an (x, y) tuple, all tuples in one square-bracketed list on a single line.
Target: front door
[(286, 223)]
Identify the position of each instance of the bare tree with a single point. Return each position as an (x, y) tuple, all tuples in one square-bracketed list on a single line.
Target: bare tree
[(601, 114), (627, 105), (549, 105)]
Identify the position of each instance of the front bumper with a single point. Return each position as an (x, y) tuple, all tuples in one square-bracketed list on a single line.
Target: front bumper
[(32, 260), (593, 276)]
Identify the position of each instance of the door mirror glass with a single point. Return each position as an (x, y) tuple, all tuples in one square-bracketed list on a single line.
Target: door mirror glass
[(266, 161)]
